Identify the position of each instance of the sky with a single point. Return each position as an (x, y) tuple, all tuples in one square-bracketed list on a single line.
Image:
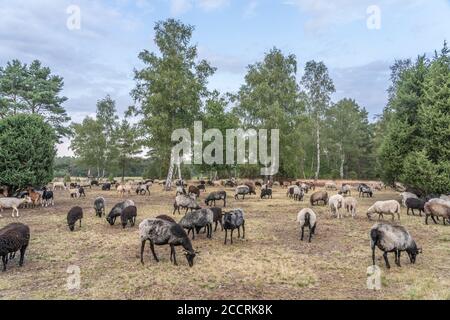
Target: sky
[(357, 39)]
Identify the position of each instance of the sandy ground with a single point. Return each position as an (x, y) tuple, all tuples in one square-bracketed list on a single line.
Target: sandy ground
[(271, 263)]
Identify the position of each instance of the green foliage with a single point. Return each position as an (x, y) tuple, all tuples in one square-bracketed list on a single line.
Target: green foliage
[(128, 144), (33, 89), (27, 151), (416, 149), (170, 88)]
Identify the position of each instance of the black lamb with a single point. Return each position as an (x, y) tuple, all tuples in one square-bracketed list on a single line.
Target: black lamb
[(14, 237), (75, 214), (128, 214)]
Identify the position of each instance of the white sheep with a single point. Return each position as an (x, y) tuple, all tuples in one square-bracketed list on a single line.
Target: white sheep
[(445, 198), (350, 205), (13, 203), (307, 218), (335, 203), (390, 207), (330, 185)]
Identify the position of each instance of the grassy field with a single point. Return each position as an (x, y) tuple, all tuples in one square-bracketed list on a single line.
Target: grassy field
[(272, 263)]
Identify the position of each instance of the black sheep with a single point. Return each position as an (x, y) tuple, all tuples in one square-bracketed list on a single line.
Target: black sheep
[(413, 203), (266, 193), (14, 237), (75, 214), (234, 220), (128, 215), (214, 196)]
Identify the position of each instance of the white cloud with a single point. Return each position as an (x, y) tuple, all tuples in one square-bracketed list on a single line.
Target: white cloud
[(179, 7), (250, 9)]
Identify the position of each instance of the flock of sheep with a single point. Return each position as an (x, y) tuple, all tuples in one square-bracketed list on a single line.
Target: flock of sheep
[(164, 230)]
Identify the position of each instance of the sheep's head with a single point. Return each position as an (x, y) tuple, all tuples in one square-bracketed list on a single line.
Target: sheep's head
[(190, 255), (27, 199), (72, 226), (412, 253)]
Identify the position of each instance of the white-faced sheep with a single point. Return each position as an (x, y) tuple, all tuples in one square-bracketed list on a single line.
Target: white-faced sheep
[(197, 220), (14, 237), (335, 203), (100, 207), (241, 190), (435, 209), (184, 202), (116, 211), (350, 204), (128, 214), (162, 232), (390, 207), (75, 214), (234, 220), (307, 218), (14, 204), (392, 238), (216, 196), (298, 193)]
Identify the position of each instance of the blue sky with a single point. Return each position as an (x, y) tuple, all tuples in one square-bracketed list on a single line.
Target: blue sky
[(99, 58)]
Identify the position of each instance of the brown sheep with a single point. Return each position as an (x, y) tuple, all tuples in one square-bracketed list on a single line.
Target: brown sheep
[(194, 190), (319, 196), (436, 210), (251, 186)]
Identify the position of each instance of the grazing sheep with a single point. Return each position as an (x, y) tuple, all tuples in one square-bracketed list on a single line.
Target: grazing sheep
[(345, 190), (218, 215), (307, 218), (75, 214), (60, 185), (330, 186), (202, 187), (350, 205), (100, 207), (433, 209), (128, 214), (251, 187), (180, 190), (194, 190), (234, 220), (47, 198), (14, 204), (106, 187), (290, 191), (392, 238), (122, 189), (116, 211), (14, 237), (241, 190), (440, 201), (74, 193), (184, 202), (365, 190), (381, 208), (413, 203), (298, 193), (215, 196), (266, 193), (318, 196), (166, 217), (142, 190), (407, 195), (161, 232), (81, 192), (198, 220), (335, 203)]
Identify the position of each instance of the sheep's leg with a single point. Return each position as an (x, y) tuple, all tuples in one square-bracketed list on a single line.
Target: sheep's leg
[(426, 219), (22, 255), (232, 236), (152, 248), (142, 251), (385, 256), (5, 262), (373, 254), (434, 220), (174, 255), (80, 223), (215, 228), (303, 232), (398, 258), (239, 232), (226, 234), (310, 234), (243, 229), (193, 234)]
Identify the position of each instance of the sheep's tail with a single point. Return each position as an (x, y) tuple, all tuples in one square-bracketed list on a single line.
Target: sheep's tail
[(307, 219)]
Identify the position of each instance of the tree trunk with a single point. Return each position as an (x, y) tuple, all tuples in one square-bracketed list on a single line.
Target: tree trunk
[(123, 171), (318, 151), (342, 161)]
